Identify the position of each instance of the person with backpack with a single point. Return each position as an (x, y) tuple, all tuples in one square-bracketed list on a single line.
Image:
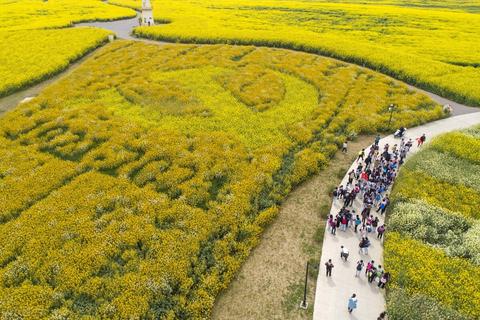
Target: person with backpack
[(358, 221), (359, 268), (383, 205)]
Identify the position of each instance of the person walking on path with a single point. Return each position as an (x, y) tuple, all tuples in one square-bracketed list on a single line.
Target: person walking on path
[(380, 232), (383, 280), (363, 245), (343, 253), (361, 155), (329, 265), (369, 267), (352, 303), (351, 176), (421, 140), (359, 268), (333, 225), (383, 205)]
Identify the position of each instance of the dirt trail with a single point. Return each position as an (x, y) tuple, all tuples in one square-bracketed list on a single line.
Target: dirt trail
[(269, 285)]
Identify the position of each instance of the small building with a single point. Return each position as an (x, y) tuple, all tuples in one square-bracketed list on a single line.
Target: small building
[(147, 14)]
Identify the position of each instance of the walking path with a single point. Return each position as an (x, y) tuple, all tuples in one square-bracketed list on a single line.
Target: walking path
[(332, 294), (122, 28), (458, 108)]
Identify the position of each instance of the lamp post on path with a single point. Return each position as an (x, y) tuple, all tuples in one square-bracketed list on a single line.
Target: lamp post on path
[(304, 303), (391, 108)]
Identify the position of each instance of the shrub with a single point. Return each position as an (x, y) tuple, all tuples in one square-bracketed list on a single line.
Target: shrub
[(402, 306), (421, 269)]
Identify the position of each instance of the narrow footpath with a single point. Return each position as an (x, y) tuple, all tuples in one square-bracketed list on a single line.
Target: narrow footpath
[(332, 294)]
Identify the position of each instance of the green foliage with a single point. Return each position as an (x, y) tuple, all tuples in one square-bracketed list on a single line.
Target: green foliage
[(402, 306), (433, 248)]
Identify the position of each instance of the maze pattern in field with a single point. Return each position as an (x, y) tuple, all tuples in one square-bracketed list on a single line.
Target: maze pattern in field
[(137, 185)]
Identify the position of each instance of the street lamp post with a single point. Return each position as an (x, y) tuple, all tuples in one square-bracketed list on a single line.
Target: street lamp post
[(390, 109), (304, 303)]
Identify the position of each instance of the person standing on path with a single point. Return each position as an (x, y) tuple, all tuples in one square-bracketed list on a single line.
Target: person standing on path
[(343, 253), (351, 176), (329, 265), (358, 221), (345, 147), (352, 303), (359, 268), (380, 232)]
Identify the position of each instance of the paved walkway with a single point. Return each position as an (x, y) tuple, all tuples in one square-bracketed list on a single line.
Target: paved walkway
[(332, 293), (458, 108), (122, 28)]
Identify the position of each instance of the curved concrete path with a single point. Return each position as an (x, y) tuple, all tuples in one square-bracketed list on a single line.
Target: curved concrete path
[(458, 108), (122, 28), (332, 294)]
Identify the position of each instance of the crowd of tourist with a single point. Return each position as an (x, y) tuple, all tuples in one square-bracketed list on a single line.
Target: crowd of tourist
[(367, 189)]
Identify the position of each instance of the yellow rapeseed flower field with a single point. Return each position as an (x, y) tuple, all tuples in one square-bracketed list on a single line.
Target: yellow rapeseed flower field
[(136, 186), (435, 201), (35, 41), (433, 44)]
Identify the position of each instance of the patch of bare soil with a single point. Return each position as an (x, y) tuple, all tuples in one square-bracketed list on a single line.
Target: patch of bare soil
[(270, 283)]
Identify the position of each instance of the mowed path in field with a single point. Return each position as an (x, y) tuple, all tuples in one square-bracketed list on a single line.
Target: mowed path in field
[(332, 294)]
